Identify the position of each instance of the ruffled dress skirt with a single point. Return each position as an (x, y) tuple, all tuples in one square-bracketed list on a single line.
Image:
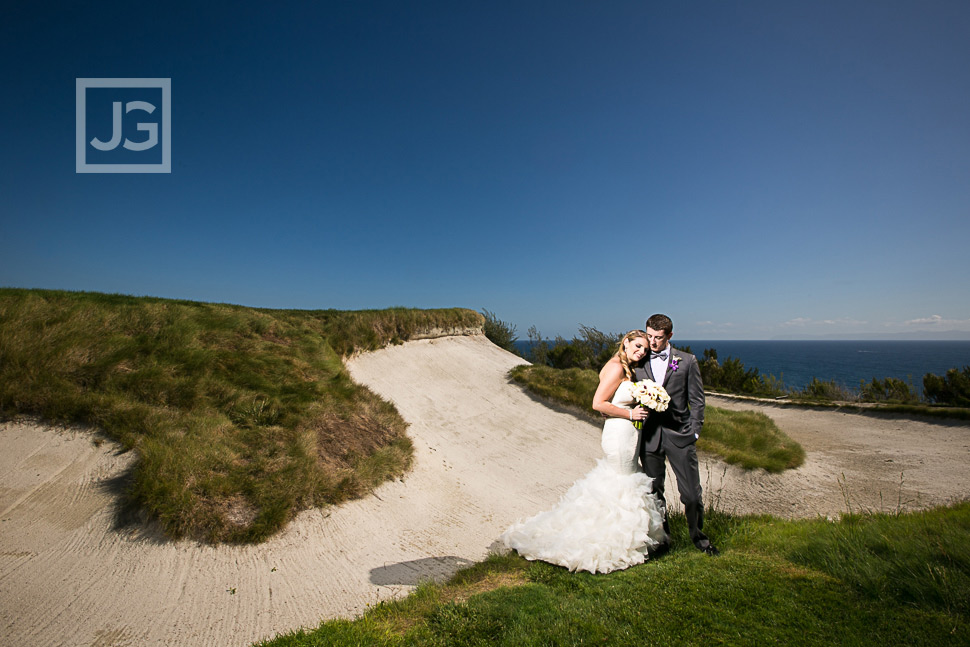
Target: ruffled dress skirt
[(605, 522)]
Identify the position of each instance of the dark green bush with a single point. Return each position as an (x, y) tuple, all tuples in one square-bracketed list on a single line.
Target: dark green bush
[(952, 389), (538, 352), (500, 333), (830, 390), (590, 350), (888, 390), (734, 378)]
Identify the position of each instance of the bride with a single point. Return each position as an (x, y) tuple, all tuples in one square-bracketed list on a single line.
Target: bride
[(609, 519)]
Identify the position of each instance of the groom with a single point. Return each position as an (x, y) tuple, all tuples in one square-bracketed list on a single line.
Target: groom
[(671, 435)]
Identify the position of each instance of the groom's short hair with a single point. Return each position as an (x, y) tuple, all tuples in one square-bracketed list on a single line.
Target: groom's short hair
[(661, 322)]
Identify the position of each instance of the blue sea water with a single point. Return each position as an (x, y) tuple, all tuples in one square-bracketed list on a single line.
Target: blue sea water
[(848, 363)]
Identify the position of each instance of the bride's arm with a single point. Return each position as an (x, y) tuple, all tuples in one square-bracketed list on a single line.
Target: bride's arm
[(610, 378)]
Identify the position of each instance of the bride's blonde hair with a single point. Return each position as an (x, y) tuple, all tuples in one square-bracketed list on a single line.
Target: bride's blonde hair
[(624, 360)]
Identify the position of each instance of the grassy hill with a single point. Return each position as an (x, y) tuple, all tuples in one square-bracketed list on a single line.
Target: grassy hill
[(240, 417)]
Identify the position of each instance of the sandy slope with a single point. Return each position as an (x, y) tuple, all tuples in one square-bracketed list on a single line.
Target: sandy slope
[(854, 462), (486, 454)]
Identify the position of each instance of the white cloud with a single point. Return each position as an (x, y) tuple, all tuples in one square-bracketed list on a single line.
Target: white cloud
[(798, 321), (935, 319), (938, 321)]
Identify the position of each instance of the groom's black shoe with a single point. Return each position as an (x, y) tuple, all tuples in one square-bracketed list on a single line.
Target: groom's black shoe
[(660, 549), (710, 550)]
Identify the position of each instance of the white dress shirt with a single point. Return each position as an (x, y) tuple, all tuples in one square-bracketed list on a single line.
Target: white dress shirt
[(659, 366)]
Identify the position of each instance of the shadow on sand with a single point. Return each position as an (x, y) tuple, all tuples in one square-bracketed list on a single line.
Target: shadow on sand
[(416, 571)]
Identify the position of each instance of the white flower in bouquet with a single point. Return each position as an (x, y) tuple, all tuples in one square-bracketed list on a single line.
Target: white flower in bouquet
[(649, 395)]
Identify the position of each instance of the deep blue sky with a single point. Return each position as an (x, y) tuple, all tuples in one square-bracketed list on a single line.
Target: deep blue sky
[(753, 169)]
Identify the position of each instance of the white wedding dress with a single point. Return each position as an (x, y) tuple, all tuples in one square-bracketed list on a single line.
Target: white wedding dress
[(608, 519)]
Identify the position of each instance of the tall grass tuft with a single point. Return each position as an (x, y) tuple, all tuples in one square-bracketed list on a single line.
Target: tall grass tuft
[(240, 417), (919, 559)]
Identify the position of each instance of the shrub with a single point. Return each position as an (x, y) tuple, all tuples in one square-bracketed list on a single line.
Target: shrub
[(600, 346), (567, 355), (952, 389), (590, 350), (499, 332), (538, 352), (733, 377), (827, 390), (888, 390)]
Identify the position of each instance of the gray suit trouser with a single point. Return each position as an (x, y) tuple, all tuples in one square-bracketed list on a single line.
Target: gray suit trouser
[(683, 462)]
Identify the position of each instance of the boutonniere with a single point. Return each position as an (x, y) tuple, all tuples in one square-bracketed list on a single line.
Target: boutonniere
[(674, 363)]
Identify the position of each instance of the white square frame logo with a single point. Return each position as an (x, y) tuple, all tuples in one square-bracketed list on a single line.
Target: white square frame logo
[(81, 139)]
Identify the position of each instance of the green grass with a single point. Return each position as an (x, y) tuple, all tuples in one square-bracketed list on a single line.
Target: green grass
[(749, 439), (570, 387), (929, 411), (865, 580), (944, 412), (918, 560), (240, 417), (796, 399), (744, 438)]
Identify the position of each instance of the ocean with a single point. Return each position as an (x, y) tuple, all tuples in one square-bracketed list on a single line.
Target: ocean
[(848, 363)]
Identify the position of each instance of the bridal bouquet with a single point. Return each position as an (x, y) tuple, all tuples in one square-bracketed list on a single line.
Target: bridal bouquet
[(649, 395)]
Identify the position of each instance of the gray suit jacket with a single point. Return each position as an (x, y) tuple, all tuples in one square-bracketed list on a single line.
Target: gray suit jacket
[(684, 416)]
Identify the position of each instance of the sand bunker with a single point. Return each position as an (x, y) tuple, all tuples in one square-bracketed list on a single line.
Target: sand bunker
[(486, 454)]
